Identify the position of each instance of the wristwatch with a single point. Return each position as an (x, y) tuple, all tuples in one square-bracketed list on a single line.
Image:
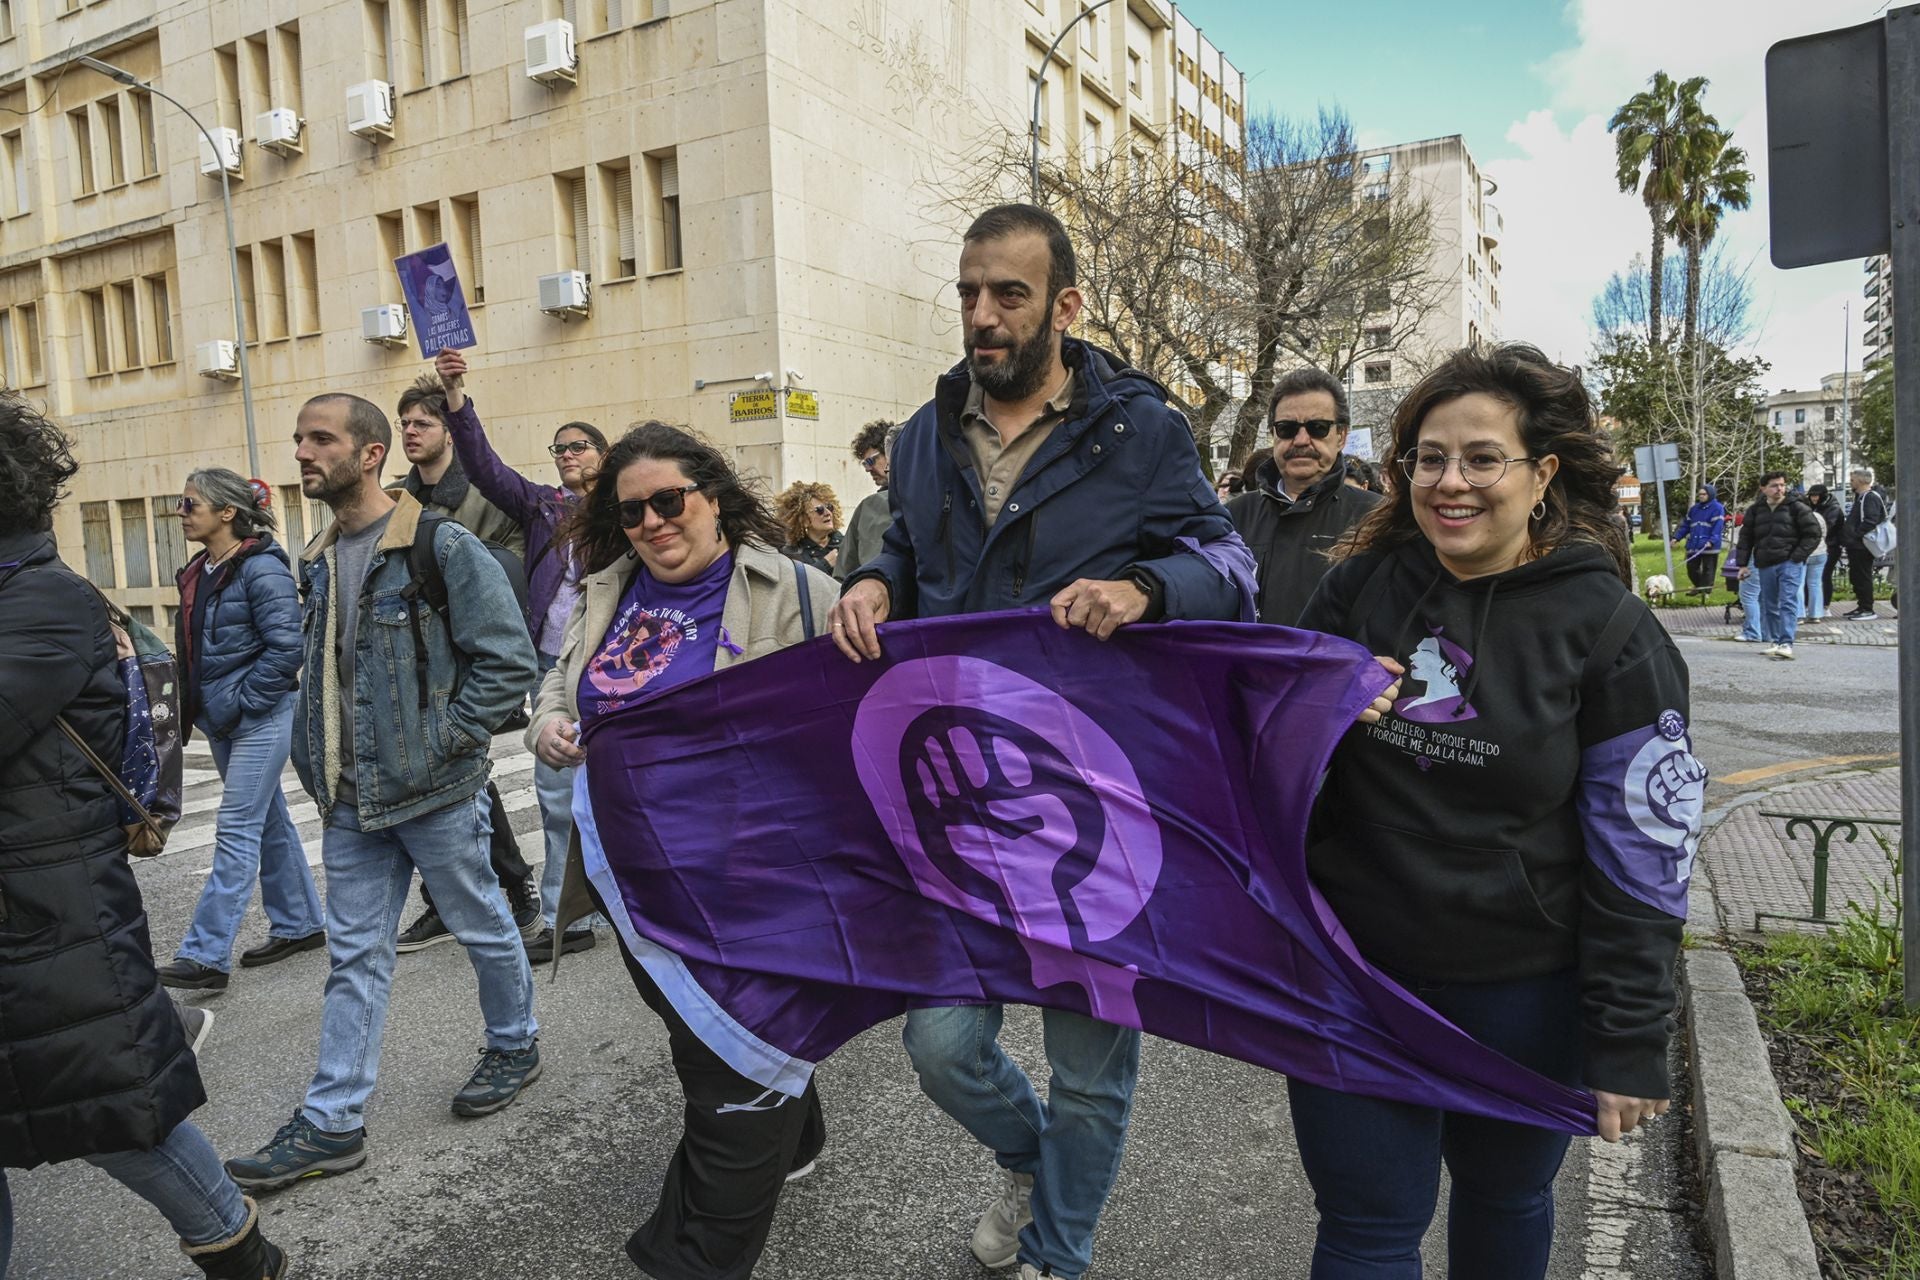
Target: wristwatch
[(1155, 592)]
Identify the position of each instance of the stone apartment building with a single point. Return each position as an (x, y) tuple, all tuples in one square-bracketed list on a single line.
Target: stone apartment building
[(717, 212), (1815, 424), (1879, 312)]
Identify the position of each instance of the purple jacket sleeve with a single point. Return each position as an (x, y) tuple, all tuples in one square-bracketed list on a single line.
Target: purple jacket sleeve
[(499, 483)]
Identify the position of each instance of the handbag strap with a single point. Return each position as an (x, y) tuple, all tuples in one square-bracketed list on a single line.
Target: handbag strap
[(112, 778), (806, 600)]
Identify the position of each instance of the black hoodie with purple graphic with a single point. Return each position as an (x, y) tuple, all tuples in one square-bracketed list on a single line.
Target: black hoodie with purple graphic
[(1531, 804)]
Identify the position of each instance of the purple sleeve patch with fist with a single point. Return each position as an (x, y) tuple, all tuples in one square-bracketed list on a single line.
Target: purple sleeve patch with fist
[(1641, 797)]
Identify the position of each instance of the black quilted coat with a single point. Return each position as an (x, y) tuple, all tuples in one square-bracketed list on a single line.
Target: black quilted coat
[(92, 1058)]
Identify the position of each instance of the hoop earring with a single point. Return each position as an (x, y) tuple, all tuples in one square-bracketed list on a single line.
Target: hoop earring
[(1540, 509)]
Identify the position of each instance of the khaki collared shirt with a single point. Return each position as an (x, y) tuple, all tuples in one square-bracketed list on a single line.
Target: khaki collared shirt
[(999, 466)]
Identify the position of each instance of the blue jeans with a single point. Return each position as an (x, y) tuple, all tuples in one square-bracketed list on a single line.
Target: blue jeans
[(555, 789), (1375, 1164), (1071, 1143), (254, 838), (1780, 598), (1754, 623), (1816, 592), (181, 1177), (367, 877)]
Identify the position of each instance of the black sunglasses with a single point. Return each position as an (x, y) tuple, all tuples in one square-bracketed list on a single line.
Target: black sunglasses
[(820, 510), (1287, 429), (666, 503)]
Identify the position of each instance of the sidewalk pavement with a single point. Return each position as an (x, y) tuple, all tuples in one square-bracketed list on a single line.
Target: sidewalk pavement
[(1752, 867), (1709, 623)]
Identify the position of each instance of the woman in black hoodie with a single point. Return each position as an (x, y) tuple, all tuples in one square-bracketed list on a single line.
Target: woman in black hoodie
[(1512, 843)]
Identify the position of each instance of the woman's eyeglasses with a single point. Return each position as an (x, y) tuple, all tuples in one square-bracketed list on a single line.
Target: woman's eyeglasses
[(1481, 467), (574, 447), (666, 503), (821, 510)]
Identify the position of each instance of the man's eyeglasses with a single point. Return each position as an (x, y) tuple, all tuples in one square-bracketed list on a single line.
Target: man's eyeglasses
[(871, 461), (1481, 467), (576, 448), (404, 425), (666, 503), (1287, 428)]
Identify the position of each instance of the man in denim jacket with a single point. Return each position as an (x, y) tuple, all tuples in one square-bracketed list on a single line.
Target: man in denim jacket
[(398, 773)]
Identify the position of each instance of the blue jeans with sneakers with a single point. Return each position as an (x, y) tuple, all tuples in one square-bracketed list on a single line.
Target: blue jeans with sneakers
[(1754, 624), (1071, 1143), (1780, 586), (181, 1177), (368, 873), (254, 839), (555, 789)]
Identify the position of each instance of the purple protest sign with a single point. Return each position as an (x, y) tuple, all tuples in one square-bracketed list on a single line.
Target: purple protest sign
[(435, 303), (800, 847)]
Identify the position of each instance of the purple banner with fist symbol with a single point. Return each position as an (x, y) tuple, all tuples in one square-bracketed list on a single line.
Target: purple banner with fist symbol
[(800, 847)]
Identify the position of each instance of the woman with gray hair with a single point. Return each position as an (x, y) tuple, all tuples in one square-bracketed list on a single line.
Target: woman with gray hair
[(238, 639)]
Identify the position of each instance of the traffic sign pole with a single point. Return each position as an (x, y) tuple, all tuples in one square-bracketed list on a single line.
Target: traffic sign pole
[(1903, 166)]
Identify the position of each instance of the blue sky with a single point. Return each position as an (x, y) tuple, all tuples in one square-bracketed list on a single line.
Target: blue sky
[(1530, 84)]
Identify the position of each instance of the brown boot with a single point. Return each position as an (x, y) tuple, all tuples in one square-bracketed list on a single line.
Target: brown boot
[(247, 1255)]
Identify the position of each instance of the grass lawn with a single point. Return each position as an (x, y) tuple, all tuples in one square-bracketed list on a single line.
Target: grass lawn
[(1649, 560)]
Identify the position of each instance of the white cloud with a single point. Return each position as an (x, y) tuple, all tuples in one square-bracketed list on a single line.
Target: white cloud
[(1568, 226)]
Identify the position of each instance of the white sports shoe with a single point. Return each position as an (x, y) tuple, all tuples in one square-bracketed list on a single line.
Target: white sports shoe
[(996, 1237), (1784, 651)]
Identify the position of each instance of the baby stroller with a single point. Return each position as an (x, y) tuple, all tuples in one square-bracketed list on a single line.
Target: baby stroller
[(1730, 576)]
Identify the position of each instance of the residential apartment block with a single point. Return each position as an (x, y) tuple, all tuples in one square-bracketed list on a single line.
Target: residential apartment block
[(654, 208), (1879, 312), (1816, 424)]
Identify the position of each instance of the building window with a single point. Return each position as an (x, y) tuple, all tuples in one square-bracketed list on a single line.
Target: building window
[(410, 44), (160, 318), (376, 29), (305, 302), (1379, 298), (576, 242), (109, 109), (664, 215), (426, 226), (1090, 141), (1036, 86), (249, 315), (95, 332), (293, 522), (616, 196), (1779, 417), (170, 545), (448, 32), (82, 130), (271, 275), (469, 249), (1089, 31), (1378, 336), (6, 19), (388, 234), (13, 155), (9, 358), (134, 544), (319, 516), (28, 326), (1136, 73), (289, 86), (145, 139), (226, 84), (1379, 371), (256, 81), (1830, 412), (1799, 415), (96, 535), (126, 307)]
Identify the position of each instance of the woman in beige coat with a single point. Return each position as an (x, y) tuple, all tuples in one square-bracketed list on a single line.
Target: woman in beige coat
[(682, 580)]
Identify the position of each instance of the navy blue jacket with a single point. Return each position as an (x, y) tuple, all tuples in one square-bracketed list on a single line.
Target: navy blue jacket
[(1116, 487), (248, 651)]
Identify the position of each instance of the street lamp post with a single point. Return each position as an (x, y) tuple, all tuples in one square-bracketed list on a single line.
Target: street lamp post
[(1039, 87), (233, 251)]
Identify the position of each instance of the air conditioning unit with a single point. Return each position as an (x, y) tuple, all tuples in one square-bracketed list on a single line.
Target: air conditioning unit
[(385, 324), (564, 294), (550, 55), (370, 109), (225, 153), (278, 131), (218, 359)]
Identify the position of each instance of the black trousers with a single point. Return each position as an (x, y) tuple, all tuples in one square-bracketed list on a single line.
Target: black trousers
[(1701, 568), (1826, 575), (1860, 573), (738, 1145), (503, 848)]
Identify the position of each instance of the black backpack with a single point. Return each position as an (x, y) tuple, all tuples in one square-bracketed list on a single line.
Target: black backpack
[(429, 586)]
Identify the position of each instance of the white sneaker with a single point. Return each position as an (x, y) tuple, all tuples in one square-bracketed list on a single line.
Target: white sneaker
[(996, 1237), (1030, 1272), (1781, 651)]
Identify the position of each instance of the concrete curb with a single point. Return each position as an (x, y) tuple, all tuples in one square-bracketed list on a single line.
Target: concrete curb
[(1745, 1137)]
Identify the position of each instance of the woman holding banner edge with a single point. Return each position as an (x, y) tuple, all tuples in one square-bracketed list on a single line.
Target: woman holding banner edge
[(681, 579), (1532, 888)]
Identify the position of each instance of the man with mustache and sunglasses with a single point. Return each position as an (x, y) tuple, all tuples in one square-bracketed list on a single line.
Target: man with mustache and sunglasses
[(1044, 472), (1300, 503)]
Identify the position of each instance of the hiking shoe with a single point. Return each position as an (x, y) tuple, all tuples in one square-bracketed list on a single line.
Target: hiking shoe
[(195, 1023), (525, 903), (1784, 652), (280, 948), (540, 949), (996, 1237), (299, 1150), (190, 975), (497, 1080), (424, 932)]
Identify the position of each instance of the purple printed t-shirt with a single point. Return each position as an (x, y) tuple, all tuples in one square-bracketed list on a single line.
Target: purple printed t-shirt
[(664, 634)]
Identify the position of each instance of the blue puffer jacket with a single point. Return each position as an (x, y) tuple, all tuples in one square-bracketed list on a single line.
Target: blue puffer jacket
[(1116, 487), (1705, 526), (247, 653)]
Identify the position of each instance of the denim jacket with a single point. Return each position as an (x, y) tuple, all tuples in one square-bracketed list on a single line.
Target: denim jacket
[(408, 761)]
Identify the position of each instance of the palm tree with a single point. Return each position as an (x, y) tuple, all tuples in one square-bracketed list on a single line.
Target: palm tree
[(1714, 177), (1648, 131)]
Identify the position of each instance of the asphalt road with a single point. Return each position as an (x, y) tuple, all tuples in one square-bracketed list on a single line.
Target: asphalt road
[(552, 1187)]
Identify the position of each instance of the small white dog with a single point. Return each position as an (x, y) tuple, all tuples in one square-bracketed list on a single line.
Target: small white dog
[(1659, 587)]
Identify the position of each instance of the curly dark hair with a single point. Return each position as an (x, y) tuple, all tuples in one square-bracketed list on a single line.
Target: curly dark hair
[(1556, 417), (872, 436), (594, 533), (36, 462)]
